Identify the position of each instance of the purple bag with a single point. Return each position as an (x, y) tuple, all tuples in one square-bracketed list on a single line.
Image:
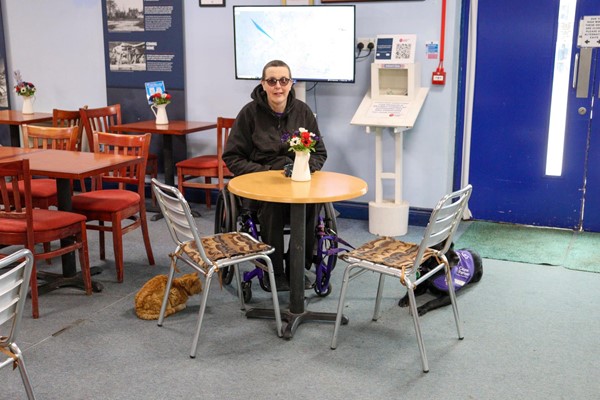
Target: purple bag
[(461, 273)]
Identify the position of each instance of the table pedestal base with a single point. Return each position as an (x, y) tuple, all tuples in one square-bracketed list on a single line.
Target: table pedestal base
[(54, 281), (293, 319)]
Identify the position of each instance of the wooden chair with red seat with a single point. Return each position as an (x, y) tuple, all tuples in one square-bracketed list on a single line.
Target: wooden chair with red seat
[(101, 120), (43, 190), (118, 205), (44, 193), (208, 166), (66, 118), (23, 225)]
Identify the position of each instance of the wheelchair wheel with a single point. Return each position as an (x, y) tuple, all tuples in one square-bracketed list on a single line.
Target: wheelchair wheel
[(223, 218), (329, 217), (325, 257), (223, 224), (326, 260), (329, 212), (323, 292)]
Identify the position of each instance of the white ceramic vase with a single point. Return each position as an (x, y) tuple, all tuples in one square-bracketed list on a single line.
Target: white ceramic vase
[(27, 105), (301, 170), (160, 112)]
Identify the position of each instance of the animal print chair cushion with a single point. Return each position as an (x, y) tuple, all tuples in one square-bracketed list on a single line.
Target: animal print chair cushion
[(226, 245), (389, 252)]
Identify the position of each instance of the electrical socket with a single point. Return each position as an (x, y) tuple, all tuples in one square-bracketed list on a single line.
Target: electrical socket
[(365, 42)]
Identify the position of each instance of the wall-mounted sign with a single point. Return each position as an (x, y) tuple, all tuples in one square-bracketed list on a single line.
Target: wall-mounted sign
[(143, 42), (589, 31)]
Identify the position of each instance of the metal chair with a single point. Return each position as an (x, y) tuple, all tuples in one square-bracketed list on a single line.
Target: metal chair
[(210, 254), (13, 294), (388, 256)]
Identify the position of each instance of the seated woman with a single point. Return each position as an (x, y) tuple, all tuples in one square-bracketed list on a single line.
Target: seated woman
[(255, 144)]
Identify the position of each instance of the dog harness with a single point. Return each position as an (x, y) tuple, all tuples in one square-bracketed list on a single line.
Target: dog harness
[(461, 273)]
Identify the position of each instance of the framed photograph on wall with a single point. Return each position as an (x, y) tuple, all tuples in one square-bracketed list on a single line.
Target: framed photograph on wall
[(212, 3)]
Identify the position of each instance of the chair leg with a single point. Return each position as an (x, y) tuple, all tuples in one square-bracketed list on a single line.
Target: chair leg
[(201, 314), (180, 180), (452, 294), (146, 236), (271, 273), (207, 198), (117, 233), (238, 282), (207, 180), (23, 372), (377, 310), (47, 249), (33, 286), (84, 260), (340, 310), (412, 302), (101, 241), (163, 307)]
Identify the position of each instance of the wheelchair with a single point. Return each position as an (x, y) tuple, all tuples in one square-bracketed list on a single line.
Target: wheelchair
[(231, 215)]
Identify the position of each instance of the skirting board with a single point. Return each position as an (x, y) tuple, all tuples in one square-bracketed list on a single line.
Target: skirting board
[(346, 209)]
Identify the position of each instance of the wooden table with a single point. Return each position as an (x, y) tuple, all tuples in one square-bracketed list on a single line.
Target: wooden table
[(65, 166), (174, 130), (9, 152), (273, 186), (16, 118)]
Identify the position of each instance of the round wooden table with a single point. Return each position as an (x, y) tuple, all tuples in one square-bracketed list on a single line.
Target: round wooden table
[(273, 186)]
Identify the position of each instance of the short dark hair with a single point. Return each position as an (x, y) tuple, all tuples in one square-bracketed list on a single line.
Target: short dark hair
[(275, 63)]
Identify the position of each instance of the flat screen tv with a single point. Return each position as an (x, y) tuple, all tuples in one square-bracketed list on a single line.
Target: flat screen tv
[(317, 42)]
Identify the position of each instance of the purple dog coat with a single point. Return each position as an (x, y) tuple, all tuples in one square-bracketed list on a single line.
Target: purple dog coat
[(461, 273)]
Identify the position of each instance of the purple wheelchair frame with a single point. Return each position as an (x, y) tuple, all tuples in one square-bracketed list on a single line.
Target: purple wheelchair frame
[(329, 244)]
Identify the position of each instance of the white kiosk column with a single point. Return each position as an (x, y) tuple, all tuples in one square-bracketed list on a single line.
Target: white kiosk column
[(393, 104), (388, 217)]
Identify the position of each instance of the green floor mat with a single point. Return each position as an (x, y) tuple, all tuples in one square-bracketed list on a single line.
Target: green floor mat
[(533, 245)]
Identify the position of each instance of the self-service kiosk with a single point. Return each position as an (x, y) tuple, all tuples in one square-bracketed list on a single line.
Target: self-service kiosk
[(393, 104)]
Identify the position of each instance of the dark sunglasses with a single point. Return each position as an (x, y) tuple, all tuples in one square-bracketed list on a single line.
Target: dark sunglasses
[(282, 81)]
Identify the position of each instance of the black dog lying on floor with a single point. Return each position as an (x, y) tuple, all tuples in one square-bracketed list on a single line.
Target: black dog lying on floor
[(466, 268)]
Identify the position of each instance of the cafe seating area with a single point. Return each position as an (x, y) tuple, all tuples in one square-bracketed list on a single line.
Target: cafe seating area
[(88, 341)]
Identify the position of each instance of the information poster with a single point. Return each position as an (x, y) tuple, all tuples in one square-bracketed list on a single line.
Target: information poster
[(144, 43)]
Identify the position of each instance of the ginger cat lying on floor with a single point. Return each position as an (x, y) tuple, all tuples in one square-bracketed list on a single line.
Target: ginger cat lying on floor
[(149, 298)]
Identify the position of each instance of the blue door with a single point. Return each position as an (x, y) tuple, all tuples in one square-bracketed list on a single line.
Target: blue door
[(535, 150)]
